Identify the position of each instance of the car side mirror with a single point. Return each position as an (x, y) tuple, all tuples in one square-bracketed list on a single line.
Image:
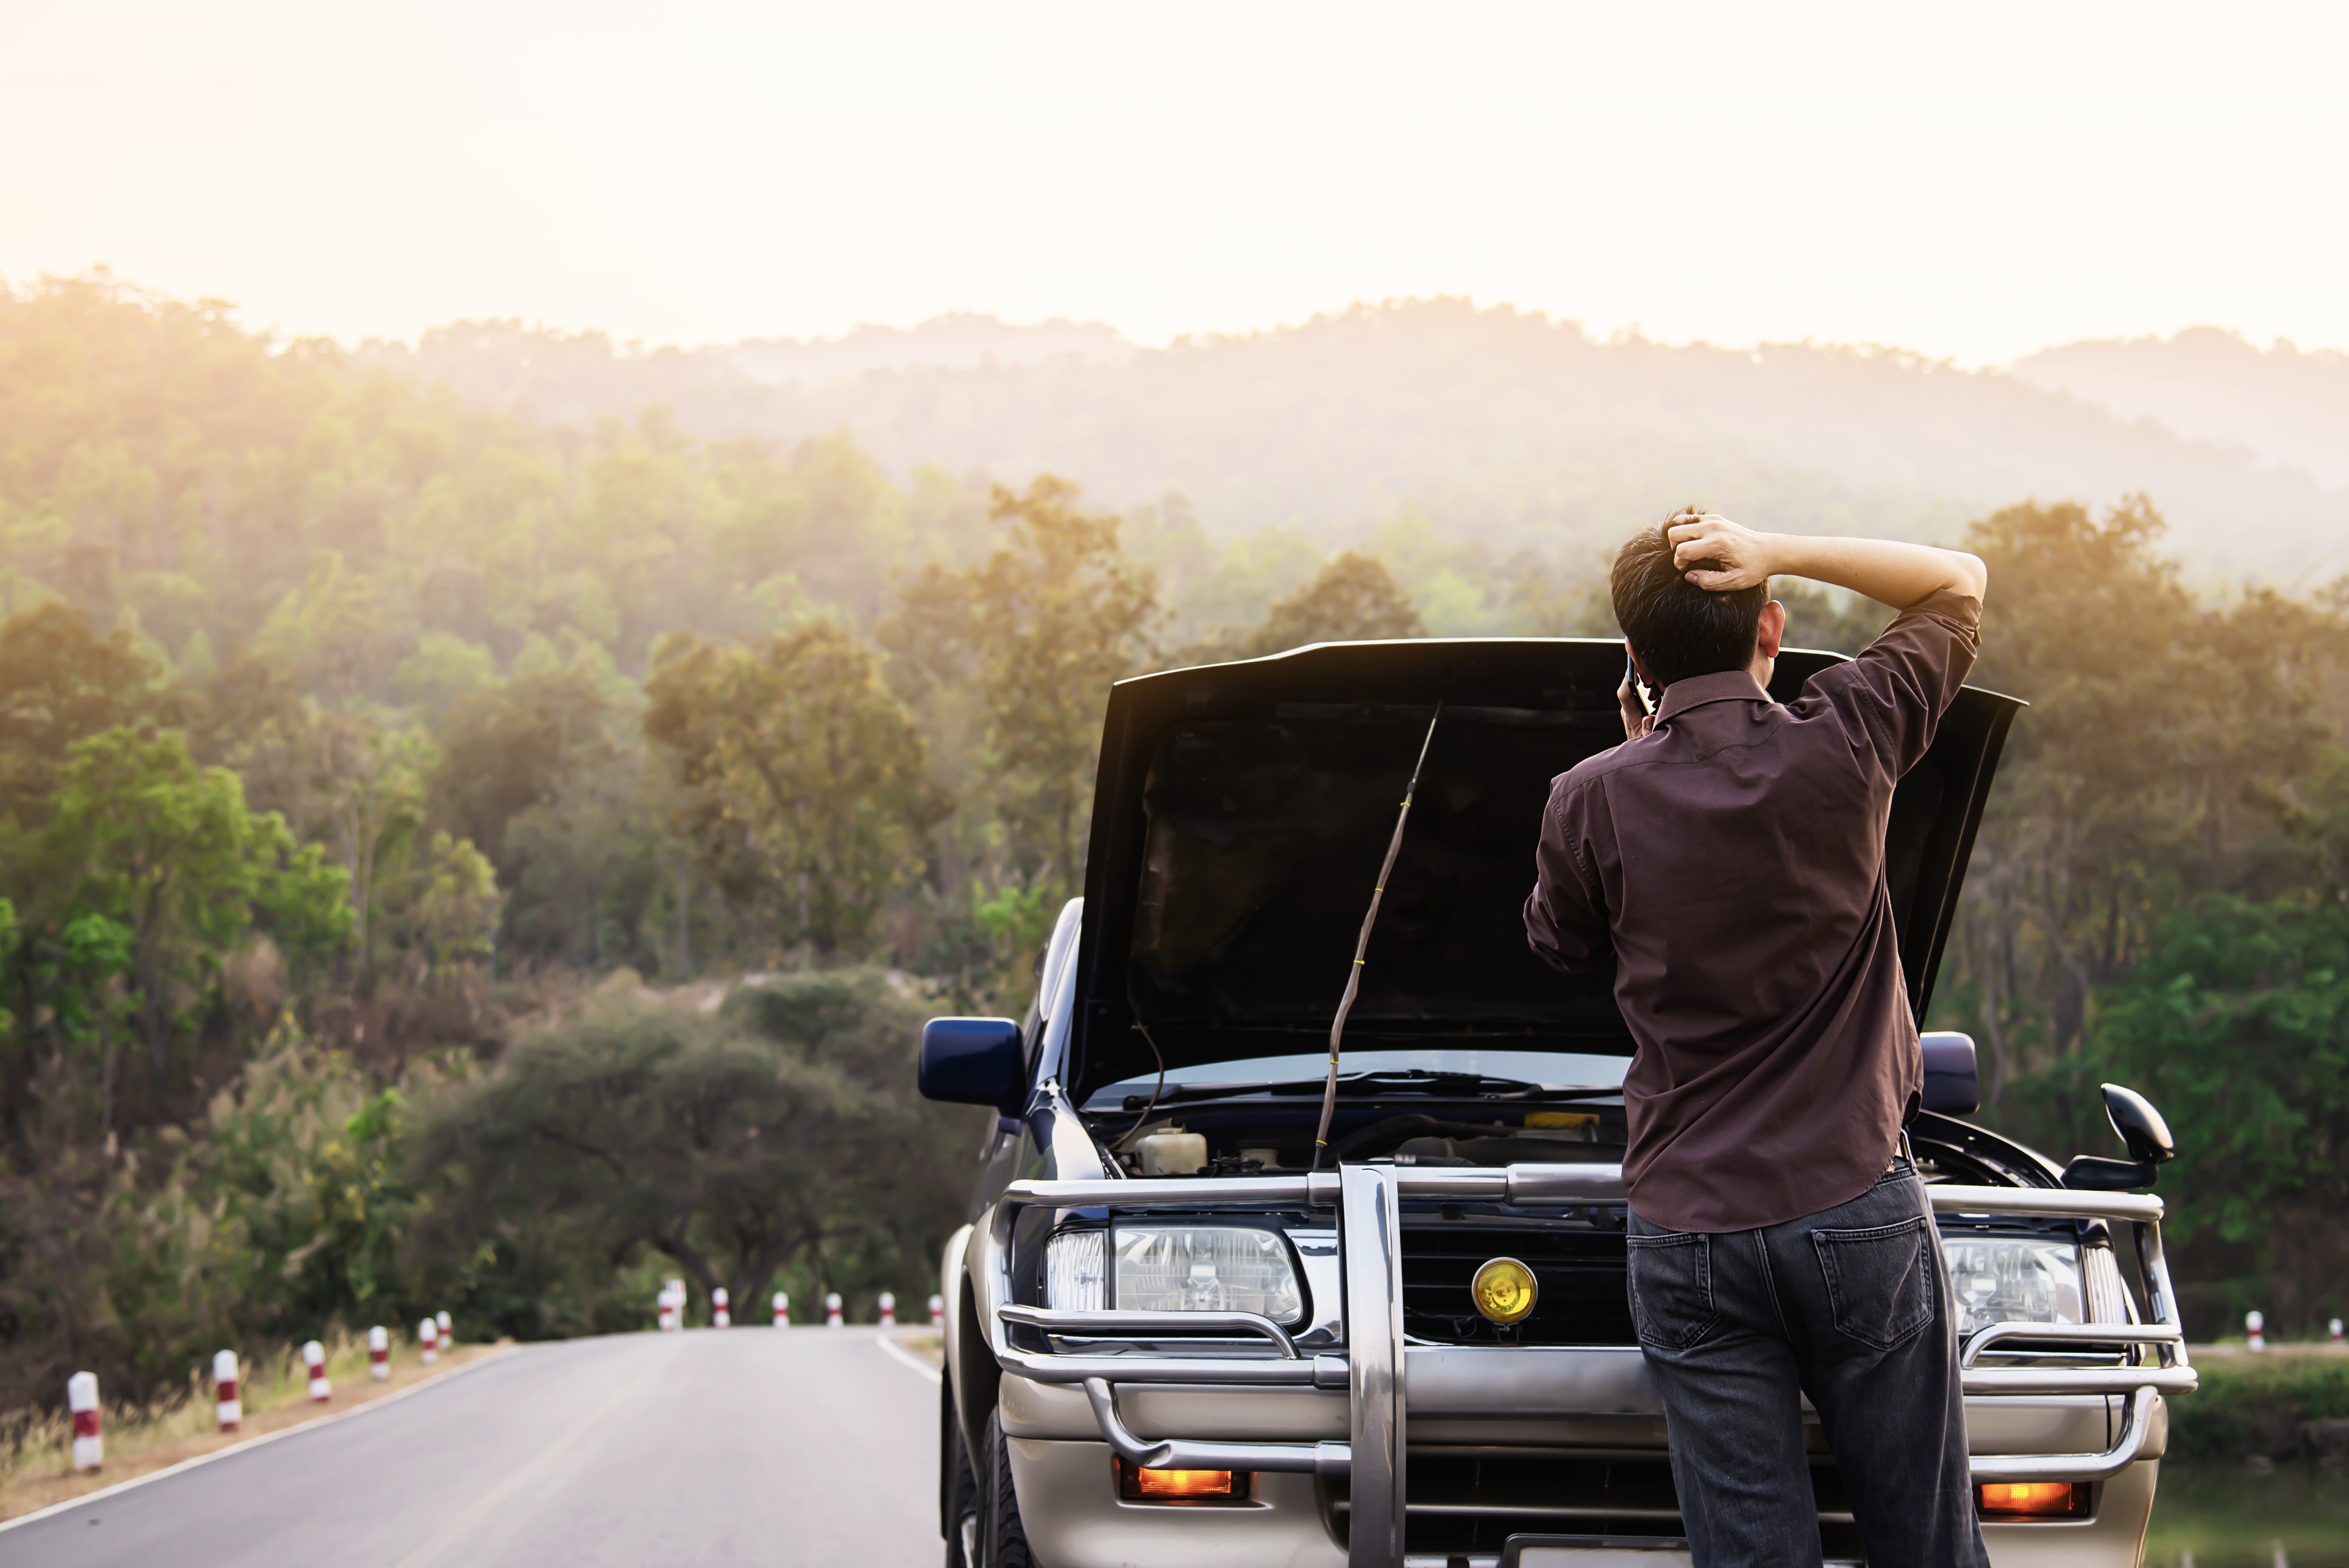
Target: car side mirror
[(2146, 1134), (2140, 1124), (973, 1062), (1952, 1075)]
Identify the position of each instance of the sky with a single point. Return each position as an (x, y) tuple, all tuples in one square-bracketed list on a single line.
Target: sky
[(1971, 181)]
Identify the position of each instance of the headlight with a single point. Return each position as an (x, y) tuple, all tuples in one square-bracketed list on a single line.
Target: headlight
[(1173, 1266), (1073, 1272), (2014, 1280)]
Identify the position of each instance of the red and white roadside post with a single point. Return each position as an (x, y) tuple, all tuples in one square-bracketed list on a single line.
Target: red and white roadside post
[(380, 1353), (888, 1309), (937, 1311), (440, 1321), (427, 1336), (718, 1316), (81, 1399), (832, 1318), (2333, 1328), (226, 1404), (671, 1302), (782, 1309), (2255, 1328), (314, 1356)]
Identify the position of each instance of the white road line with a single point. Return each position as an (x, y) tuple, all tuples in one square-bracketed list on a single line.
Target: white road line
[(448, 1533), (249, 1444), (898, 1353)]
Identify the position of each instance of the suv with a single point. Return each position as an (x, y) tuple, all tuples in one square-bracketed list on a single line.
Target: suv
[(1175, 1337)]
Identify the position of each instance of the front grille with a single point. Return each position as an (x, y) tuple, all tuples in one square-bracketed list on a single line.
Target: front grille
[(1471, 1501), (1577, 1265)]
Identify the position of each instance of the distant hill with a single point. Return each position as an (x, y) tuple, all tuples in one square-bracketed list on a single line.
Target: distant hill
[(2285, 404), (1494, 425), (961, 341)]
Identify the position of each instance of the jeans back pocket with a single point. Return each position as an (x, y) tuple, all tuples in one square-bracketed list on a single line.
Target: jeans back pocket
[(1880, 1284), (1672, 1288)]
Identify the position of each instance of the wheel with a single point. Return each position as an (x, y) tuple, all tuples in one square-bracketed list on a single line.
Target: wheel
[(958, 1498), (1005, 1541)]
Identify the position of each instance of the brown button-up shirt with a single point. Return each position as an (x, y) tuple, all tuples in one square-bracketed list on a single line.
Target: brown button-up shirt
[(1734, 862)]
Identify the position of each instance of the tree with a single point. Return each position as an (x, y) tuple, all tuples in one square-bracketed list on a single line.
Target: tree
[(804, 774), (2156, 731), (1352, 598), (509, 747), (336, 631), (1039, 630), (586, 858), (60, 681), (444, 916), (167, 851), (2235, 1021), (782, 1130)]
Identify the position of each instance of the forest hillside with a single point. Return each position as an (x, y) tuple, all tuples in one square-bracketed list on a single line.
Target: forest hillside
[(1504, 428), (452, 860)]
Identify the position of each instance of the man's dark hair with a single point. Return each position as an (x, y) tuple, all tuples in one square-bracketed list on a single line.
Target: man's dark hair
[(1679, 630)]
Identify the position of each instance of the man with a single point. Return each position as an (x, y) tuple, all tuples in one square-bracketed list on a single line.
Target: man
[(1730, 854)]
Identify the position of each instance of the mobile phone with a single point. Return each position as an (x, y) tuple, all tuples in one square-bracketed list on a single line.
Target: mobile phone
[(1638, 693)]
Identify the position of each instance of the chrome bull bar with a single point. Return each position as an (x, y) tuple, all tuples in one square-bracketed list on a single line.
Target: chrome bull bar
[(1375, 1372)]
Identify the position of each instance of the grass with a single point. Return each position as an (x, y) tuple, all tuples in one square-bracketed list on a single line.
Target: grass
[(275, 1392), (2254, 1406)]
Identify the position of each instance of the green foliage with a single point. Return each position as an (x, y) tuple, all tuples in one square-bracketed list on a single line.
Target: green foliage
[(1037, 632), (2256, 1405), (803, 776), (167, 851), (450, 922), (781, 1132), (2163, 736), (60, 682), (304, 1164), (281, 1219), (2236, 1024), (1827, 618), (1352, 597)]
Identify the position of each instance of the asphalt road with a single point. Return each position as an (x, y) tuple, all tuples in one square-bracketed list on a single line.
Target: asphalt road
[(780, 1447)]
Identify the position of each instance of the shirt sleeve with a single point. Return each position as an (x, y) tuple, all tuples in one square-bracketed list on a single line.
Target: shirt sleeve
[(1566, 914), (1891, 698)]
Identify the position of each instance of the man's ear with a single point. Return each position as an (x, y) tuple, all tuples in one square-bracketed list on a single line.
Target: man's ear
[(1640, 664), (1772, 631)]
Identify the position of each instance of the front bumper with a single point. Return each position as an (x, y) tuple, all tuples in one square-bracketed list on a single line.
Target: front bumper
[(1331, 1436)]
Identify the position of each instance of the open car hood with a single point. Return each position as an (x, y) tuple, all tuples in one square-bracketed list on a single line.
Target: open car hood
[(1242, 811)]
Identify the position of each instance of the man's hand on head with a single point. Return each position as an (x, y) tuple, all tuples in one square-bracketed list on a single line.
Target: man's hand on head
[(1721, 556), (1716, 554)]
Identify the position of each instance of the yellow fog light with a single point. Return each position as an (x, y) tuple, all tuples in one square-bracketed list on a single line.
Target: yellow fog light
[(1504, 1291)]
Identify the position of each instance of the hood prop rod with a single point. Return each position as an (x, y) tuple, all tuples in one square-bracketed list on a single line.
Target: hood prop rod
[(1362, 943)]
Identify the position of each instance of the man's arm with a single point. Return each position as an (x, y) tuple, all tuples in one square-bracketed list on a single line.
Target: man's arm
[(1735, 556), (1566, 915)]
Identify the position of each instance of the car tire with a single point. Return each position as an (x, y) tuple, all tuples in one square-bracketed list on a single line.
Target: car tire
[(959, 1516), (1005, 1541)]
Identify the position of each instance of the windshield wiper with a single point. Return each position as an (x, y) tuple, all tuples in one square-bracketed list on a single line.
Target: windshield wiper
[(1429, 1081)]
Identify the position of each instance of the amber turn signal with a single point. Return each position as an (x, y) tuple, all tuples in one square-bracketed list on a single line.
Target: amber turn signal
[(1504, 1291), (2032, 1500), (1137, 1485)]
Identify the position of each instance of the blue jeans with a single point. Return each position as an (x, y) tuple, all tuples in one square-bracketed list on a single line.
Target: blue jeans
[(1850, 1306)]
